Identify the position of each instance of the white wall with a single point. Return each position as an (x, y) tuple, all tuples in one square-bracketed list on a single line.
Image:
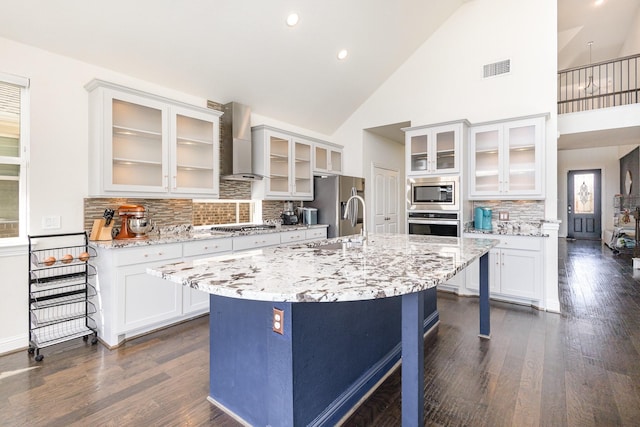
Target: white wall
[(442, 80), (383, 152), (607, 160), (632, 44)]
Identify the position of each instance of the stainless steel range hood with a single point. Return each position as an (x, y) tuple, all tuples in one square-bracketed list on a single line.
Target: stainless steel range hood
[(235, 147)]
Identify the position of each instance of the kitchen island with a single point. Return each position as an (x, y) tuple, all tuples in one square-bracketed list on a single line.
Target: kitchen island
[(349, 311)]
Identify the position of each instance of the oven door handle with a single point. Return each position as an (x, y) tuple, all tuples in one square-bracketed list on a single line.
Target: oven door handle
[(433, 222)]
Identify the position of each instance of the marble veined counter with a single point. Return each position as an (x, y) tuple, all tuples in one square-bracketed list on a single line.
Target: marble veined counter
[(299, 334), (186, 234), (385, 265)]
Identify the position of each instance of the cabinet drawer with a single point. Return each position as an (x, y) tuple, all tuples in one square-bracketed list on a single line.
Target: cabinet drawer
[(524, 243), (151, 253), (204, 247), (292, 236), (242, 243), (316, 233), (520, 242)]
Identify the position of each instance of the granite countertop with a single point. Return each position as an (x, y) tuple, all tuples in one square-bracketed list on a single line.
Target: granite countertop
[(385, 265), (186, 234), (510, 228)]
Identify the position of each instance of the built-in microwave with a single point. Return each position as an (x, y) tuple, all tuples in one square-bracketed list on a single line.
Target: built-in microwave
[(433, 193)]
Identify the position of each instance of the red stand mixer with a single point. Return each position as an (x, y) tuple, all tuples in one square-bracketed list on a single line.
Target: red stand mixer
[(134, 223)]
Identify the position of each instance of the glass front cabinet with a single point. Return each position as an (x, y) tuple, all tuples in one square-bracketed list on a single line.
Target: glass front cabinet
[(327, 159), (285, 160), (434, 149), (506, 159), (145, 145)]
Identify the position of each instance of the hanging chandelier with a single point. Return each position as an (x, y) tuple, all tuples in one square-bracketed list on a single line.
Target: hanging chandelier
[(591, 87)]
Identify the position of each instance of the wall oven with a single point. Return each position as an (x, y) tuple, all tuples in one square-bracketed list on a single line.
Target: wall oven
[(434, 223), (433, 193)]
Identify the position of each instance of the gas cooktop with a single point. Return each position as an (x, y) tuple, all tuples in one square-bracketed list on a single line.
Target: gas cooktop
[(232, 228)]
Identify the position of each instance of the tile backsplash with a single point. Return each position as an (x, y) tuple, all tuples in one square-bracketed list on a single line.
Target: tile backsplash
[(220, 213), (519, 210), (163, 212), (173, 212), (272, 209)]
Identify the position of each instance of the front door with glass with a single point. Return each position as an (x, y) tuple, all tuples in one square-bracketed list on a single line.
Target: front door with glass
[(584, 208)]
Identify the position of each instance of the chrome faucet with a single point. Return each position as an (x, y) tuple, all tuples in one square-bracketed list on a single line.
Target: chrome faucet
[(364, 214)]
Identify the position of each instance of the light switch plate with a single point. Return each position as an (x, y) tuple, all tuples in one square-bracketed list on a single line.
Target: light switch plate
[(51, 222)]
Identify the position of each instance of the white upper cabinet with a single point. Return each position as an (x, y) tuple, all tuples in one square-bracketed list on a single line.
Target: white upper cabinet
[(285, 161), (327, 159), (194, 145), (145, 145), (432, 150), (506, 159)]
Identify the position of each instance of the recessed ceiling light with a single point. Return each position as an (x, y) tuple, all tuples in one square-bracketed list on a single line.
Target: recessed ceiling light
[(343, 54), (599, 2), (292, 19)]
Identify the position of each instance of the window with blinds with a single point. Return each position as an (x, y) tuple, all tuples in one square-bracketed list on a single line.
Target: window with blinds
[(13, 155)]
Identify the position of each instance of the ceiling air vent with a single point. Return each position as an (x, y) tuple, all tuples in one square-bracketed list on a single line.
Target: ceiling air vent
[(497, 68)]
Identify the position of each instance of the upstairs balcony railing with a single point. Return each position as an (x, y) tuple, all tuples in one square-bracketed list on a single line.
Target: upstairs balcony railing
[(602, 85)]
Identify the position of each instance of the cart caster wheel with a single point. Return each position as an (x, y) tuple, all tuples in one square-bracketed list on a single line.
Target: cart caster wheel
[(39, 358), (31, 350), (94, 340), (85, 338)]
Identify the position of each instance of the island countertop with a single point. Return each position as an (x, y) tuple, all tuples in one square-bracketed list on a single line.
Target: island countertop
[(385, 265)]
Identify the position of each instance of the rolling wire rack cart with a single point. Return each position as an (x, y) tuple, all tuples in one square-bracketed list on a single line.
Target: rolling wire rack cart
[(60, 290), (627, 209)]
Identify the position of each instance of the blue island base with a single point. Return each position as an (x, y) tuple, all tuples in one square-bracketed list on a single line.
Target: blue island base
[(327, 360)]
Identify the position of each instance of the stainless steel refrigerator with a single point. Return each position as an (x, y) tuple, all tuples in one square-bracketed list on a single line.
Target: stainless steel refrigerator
[(330, 198)]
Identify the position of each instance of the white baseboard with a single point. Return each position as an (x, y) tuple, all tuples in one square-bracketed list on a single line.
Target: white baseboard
[(553, 306), (13, 344)]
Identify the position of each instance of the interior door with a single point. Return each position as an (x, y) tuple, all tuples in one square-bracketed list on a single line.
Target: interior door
[(584, 211), (385, 200)]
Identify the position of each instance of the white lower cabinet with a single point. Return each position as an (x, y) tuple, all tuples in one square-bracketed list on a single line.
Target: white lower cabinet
[(245, 243), (315, 233), (131, 302), (145, 299), (128, 299), (292, 236), (515, 270), (195, 302)]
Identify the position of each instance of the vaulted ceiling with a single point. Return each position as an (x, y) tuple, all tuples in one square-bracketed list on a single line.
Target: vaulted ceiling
[(242, 50)]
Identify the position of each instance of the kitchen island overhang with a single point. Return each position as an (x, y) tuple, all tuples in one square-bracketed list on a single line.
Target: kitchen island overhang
[(372, 303)]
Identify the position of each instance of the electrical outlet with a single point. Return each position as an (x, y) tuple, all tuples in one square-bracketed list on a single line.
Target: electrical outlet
[(278, 321)]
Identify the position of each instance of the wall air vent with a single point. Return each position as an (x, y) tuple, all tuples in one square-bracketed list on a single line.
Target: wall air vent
[(497, 68)]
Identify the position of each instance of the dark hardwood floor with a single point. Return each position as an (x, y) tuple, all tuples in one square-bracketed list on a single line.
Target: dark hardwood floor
[(580, 368)]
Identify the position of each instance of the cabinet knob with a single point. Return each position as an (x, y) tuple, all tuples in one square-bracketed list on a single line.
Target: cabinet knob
[(206, 247)]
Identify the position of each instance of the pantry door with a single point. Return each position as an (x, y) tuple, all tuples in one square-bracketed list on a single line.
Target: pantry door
[(584, 214), (386, 200)]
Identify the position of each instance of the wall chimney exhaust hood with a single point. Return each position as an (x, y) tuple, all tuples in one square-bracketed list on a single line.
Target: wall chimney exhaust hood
[(235, 146)]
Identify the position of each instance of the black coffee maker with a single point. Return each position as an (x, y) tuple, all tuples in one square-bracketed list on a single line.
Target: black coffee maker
[(289, 216)]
